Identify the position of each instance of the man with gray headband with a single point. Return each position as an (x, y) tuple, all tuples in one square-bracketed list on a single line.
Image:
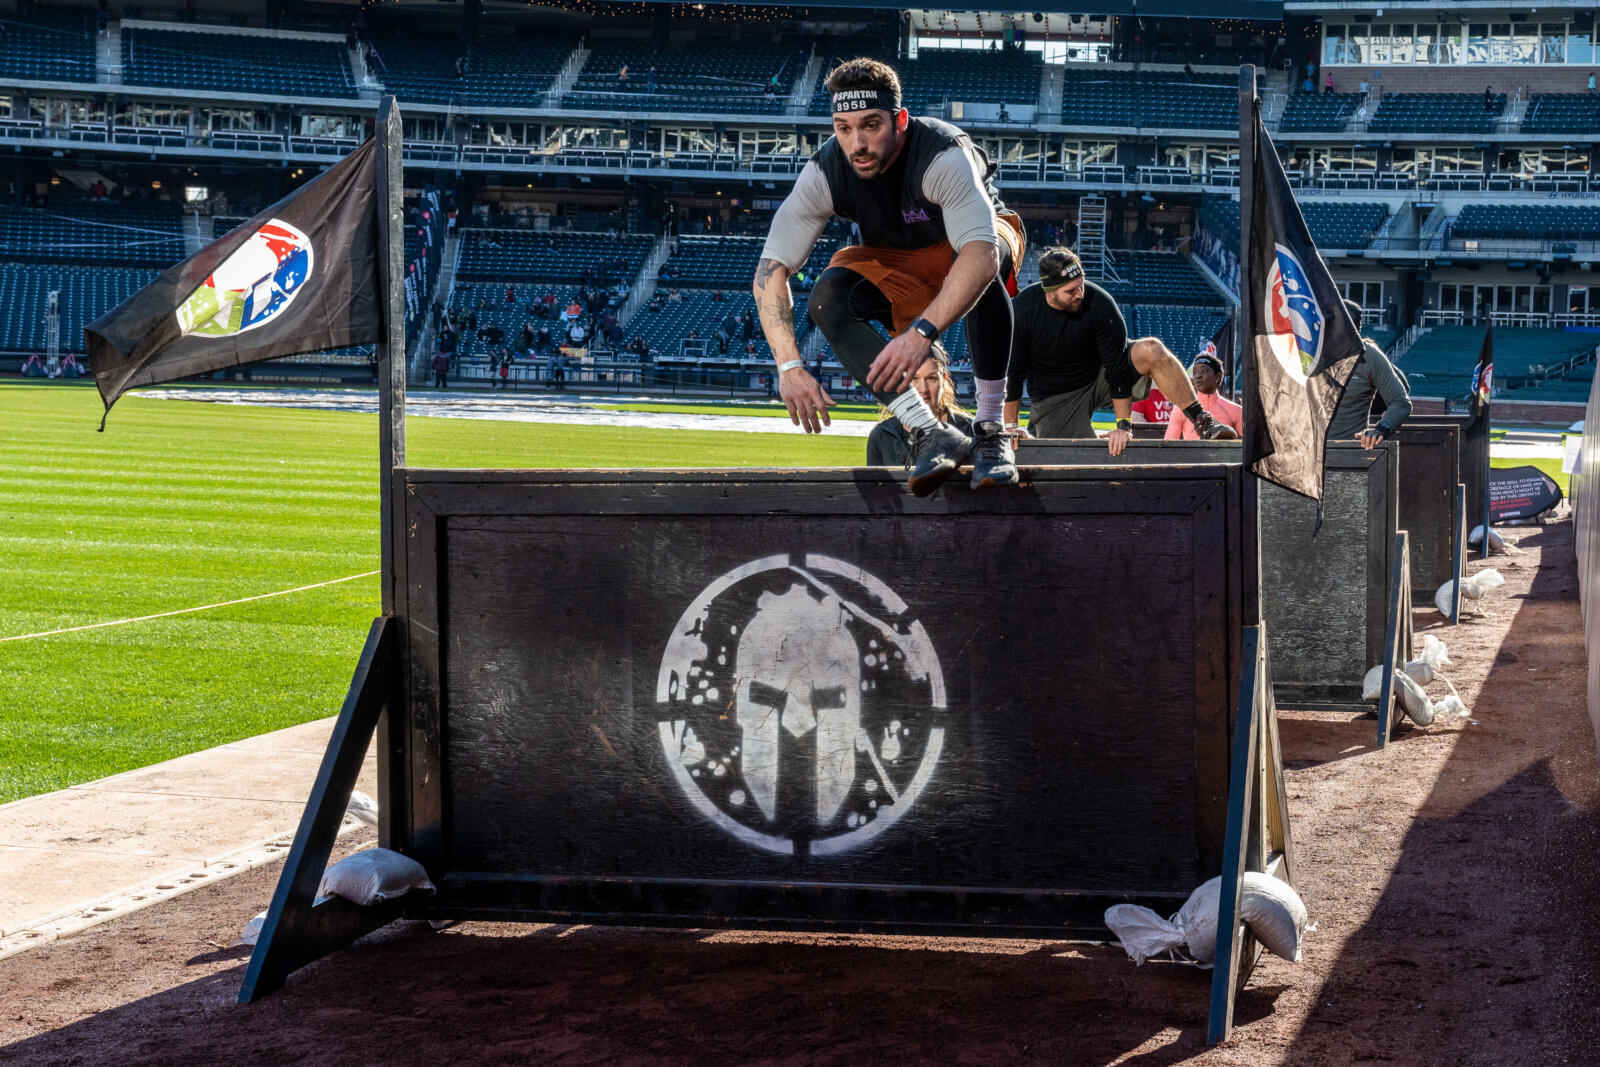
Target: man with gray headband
[(937, 247), (1073, 353)]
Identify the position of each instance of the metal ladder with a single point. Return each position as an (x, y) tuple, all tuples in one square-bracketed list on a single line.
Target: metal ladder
[(1092, 236)]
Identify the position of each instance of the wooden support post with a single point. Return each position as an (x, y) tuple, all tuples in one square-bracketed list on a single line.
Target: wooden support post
[(1397, 640), (391, 424), (1258, 828), (293, 935), (1459, 549)]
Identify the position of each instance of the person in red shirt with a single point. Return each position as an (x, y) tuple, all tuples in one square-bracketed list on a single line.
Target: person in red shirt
[(1206, 374), (1154, 408)]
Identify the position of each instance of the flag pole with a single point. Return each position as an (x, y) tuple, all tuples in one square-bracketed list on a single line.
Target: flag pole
[(391, 369), (1247, 328), (391, 364)]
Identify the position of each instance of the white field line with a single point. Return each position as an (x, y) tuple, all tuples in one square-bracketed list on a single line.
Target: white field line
[(185, 611)]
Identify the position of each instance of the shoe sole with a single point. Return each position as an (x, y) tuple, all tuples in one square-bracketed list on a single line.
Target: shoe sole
[(991, 482), (929, 483)]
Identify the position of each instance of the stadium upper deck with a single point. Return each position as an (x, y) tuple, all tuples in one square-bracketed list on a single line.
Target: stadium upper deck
[(1445, 165)]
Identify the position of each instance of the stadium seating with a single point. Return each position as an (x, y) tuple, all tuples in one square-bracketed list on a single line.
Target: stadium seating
[(86, 294), (1160, 277), (236, 63), (1184, 329), (1440, 362), (1096, 96), (140, 233), (504, 71), (941, 75), (503, 255), (1332, 224), (1318, 111), (49, 47), (1526, 223), (709, 78), (1437, 112), (1562, 113)]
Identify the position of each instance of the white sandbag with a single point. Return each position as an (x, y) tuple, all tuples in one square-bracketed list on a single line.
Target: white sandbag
[(1444, 595), (252, 930), (1372, 684), (1275, 914), (1420, 671), (362, 808), (1413, 700), (1271, 908), (1143, 933), (1479, 584), (1450, 705), (1434, 652), (373, 875), (1497, 544)]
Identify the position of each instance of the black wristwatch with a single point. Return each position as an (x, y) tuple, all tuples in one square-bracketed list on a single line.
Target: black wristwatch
[(1125, 425), (925, 328)]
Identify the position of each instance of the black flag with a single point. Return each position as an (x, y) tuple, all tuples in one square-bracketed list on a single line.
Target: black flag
[(302, 276), (1476, 441), (1303, 343)]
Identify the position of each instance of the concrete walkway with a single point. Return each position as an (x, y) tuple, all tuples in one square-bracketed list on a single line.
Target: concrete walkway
[(80, 856)]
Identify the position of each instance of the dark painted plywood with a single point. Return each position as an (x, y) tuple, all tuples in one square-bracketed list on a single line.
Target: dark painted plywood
[(658, 698)]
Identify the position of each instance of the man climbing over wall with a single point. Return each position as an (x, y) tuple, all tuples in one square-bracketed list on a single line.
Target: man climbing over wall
[(937, 246)]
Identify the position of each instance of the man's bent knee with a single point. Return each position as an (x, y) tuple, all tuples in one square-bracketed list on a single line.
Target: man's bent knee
[(1147, 353)]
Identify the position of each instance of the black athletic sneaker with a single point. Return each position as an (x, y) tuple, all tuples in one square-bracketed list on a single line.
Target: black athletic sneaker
[(993, 462), (935, 455), (1210, 429)]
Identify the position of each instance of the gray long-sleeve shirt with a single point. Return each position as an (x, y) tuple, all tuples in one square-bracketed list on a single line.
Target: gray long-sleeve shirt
[(1374, 374)]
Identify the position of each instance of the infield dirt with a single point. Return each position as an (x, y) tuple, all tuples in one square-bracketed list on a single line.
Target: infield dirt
[(1453, 879)]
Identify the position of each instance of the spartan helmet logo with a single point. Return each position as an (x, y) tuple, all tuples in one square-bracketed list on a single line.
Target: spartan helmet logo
[(801, 705), (799, 671)]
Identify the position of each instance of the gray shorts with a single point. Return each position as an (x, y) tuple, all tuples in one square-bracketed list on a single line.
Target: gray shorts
[(1071, 414)]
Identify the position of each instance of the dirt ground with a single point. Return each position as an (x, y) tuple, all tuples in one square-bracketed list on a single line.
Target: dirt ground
[(1453, 879)]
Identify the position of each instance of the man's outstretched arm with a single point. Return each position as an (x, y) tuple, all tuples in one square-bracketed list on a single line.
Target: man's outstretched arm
[(803, 395)]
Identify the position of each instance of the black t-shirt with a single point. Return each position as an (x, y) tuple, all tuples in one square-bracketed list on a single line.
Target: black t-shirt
[(1061, 352)]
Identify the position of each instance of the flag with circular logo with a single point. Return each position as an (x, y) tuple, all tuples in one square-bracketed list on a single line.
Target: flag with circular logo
[(301, 276)]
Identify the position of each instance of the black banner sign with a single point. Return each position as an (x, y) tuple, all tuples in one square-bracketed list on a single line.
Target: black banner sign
[(1521, 493)]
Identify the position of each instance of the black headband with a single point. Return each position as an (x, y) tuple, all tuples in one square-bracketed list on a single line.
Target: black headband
[(846, 100), (1071, 271), (1212, 361)]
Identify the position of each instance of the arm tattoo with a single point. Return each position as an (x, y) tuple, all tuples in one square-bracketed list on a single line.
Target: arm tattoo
[(765, 270)]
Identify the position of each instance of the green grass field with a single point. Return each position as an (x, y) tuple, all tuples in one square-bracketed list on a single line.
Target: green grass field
[(184, 504)]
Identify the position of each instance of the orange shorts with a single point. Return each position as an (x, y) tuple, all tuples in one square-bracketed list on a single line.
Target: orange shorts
[(911, 277)]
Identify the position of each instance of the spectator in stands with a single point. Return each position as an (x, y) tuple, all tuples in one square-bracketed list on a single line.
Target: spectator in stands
[(441, 368), (1488, 98), (675, 296), (547, 304), (692, 335), (607, 322), (725, 331), (1373, 379), (747, 326), (1206, 374), (1308, 86), (1327, 82), (716, 296), (438, 315), (655, 305), (544, 337), (527, 336), (577, 334), (650, 80), (750, 352), (888, 445), (622, 75), (511, 295), (1591, 81), (640, 349), (461, 66), (573, 312), (472, 321), (1188, 71)]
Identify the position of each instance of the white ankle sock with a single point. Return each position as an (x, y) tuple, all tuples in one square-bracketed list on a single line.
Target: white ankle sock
[(912, 411), (991, 399)]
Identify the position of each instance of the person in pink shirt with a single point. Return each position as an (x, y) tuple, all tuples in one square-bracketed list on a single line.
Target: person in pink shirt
[(1206, 374)]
